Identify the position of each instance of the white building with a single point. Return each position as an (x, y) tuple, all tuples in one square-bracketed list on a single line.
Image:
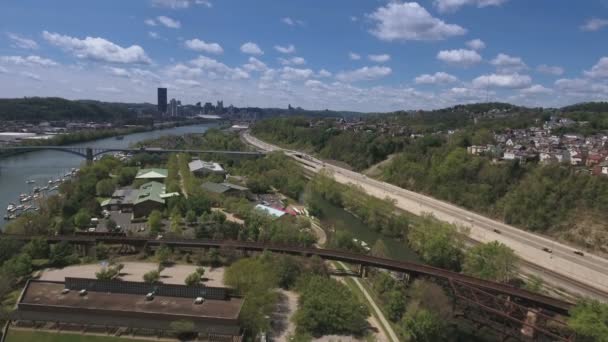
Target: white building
[(202, 167)]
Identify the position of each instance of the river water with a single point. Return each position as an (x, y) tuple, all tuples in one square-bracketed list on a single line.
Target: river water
[(41, 166)]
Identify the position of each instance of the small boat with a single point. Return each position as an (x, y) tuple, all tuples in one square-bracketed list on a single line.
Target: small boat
[(26, 199), (54, 188), (28, 207), (22, 196), (50, 182), (69, 174), (36, 189), (20, 207), (44, 188), (36, 195), (30, 181), (57, 180), (10, 206)]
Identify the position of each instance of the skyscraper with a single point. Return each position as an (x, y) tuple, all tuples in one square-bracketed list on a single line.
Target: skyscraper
[(162, 100)]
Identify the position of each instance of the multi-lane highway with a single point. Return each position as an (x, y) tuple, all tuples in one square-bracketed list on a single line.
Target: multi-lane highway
[(586, 274)]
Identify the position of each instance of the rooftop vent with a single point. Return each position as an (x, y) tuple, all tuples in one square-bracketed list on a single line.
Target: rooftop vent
[(82, 292), (199, 300), (150, 296)]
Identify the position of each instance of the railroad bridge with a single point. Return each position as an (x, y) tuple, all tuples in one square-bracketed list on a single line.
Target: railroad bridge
[(513, 312), (89, 153)]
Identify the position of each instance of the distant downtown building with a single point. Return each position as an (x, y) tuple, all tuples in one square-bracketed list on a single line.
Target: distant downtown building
[(162, 100)]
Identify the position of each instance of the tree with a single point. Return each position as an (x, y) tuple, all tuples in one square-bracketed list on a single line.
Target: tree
[(589, 319), (109, 273), (19, 265), (193, 279), (423, 326), (62, 254), (191, 216), (437, 243), (395, 305), (37, 248), (102, 251), (182, 328), (82, 219), (288, 270), (176, 223), (491, 261), (379, 249), (151, 276), (105, 188), (155, 222), (162, 254), (328, 307)]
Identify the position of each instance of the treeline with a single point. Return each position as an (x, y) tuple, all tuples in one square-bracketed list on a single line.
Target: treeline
[(358, 149), (55, 109)]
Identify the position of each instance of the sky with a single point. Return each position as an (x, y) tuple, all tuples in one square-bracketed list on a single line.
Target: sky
[(360, 55)]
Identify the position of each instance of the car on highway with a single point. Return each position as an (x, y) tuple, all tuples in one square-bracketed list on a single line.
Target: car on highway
[(579, 253), (497, 231), (548, 250), (468, 218)]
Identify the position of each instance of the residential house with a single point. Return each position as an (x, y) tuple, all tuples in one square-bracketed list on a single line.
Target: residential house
[(150, 196), (226, 189), (157, 175)]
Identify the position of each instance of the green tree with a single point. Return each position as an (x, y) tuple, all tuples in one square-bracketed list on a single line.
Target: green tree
[(37, 248), (19, 265), (105, 187), (102, 251), (423, 326), (155, 222), (182, 328), (82, 219), (162, 254), (62, 254), (176, 223), (151, 276), (437, 243), (491, 261), (589, 319), (328, 307), (191, 216), (395, 305), (193, 279)]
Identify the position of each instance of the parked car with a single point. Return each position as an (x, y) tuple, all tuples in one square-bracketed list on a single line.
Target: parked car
[(579, 253), (548, 250)]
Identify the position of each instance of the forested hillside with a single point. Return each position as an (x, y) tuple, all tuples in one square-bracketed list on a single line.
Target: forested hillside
[(552, 199), (52, 108)]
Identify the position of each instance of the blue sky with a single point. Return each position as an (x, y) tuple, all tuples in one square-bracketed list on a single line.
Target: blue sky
[(340, 54)]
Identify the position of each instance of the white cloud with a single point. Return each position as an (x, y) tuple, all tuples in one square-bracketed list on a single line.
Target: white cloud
[(251, 48), (292, 22), (150, 22), (354, 56), (550, 70), (217, 68), (324, 73), (180, 4), (169, 22), (364, 74), (437, 78), (153, 35), (379, 58), (255, 65), (505, 63), (289, 73), (188, 83), (459, 57), (452, 5), (109, 89), (285, 49), (292, 61), (22, 42), (599, 70), (120, 72), (98, 49), (476, 44), (183, 71), (410, 21), (594, 24), (536, 89), (202, 46), (510, 81), (3, 70), (28, 61), (31, 76), (354, 18)]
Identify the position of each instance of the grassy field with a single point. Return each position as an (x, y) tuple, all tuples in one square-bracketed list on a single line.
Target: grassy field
[(37, 336)]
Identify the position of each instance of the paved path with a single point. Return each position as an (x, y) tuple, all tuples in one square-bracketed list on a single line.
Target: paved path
[(385, 323), (589, 272)]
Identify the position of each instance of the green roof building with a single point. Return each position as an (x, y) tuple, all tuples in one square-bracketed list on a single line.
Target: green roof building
[(152, 174), (149, 197)]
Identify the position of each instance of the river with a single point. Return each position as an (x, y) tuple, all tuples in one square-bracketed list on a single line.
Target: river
[(41, 166), (341, 220)]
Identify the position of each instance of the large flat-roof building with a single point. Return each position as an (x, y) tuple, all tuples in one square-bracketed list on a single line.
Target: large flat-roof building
[(201, 168), (90, 304)]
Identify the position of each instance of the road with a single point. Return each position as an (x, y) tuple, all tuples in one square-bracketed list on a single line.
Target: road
[(588, 270)]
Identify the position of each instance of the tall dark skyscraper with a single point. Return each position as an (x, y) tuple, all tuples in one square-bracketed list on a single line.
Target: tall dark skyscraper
[(162, 100)]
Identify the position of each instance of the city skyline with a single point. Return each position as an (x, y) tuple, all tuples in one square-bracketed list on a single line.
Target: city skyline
[(368, 56)]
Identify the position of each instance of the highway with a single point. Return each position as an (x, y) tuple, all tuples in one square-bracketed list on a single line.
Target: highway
[(589, 273)]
